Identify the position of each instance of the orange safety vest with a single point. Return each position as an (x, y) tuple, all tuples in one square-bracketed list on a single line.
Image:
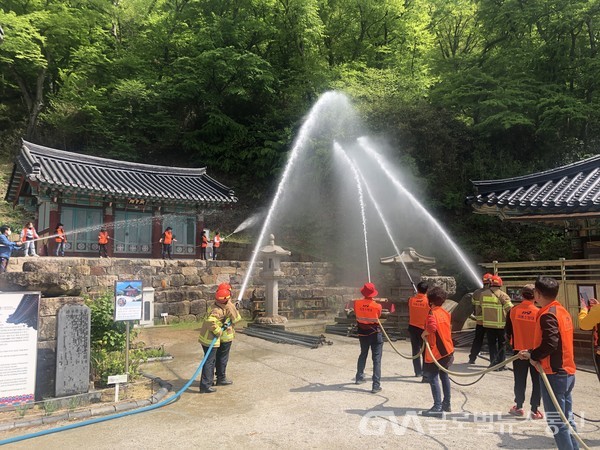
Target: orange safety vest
[(217, 242), (204, 241), (367, 311), (418, 309), (565, 328), (167, 237), (523, 318), (441, 342), (60, 231), (103, 237), (24, 234)]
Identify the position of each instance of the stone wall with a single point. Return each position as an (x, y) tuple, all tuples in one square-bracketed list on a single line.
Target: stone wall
[(183, 288)]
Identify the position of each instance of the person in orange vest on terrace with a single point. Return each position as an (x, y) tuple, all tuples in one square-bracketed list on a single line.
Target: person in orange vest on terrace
[(418, 309), (495, 305), (479, 330), (60, 239), (203, 246), (102, 241), (167, 240), (589, 319), (520, 329), (553, 342), (367, 313), (438, 332), (216, 244), (28, 234)]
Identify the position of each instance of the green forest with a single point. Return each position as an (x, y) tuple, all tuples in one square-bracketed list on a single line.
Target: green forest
[(461, 89)]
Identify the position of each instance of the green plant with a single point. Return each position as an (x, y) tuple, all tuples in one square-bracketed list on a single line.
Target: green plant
[(22, 409), (105, 364), (73, 403), (106, 334), (49, 407)]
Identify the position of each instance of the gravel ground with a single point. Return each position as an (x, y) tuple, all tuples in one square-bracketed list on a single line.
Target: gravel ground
[(296, 397)]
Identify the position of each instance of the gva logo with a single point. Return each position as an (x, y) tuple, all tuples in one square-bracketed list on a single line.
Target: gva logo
[(375, 423)]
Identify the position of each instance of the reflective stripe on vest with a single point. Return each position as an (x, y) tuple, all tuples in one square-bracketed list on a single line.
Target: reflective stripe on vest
[(492, 311), (476, 302), (418, 308), (523, 318), (367, 311), (206, 335), (441, 342), (565, 328)]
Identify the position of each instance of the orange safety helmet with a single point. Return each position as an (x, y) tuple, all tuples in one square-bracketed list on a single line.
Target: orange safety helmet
[(222, 295), (487, 277), (496, 281)]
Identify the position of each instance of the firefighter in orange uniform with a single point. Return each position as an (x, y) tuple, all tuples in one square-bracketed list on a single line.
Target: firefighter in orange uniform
[(102, 241), (520, 329), (367, 313), (60, 239), (553, 342), (418, 309), (438, 332)]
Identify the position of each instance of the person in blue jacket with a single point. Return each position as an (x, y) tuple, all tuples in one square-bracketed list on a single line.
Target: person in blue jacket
[(6, 247)]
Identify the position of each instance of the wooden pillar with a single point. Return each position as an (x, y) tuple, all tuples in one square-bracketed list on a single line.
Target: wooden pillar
[(157, 229)]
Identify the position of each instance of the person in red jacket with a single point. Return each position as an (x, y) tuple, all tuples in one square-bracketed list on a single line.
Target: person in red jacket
[(520, 330), (418, 309), (553, 350), (438, 332), (167, 240), (367, 313)]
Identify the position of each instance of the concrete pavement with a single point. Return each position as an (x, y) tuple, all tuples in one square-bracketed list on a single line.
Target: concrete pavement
[(296, 397)]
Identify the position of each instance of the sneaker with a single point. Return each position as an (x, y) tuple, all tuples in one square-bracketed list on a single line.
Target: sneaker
[(225, 382), (518, 412), (207, 390), (360, 381), (375, 390), (433, 412), (446, 407), (537, 415), (471, 361), (424, 380)]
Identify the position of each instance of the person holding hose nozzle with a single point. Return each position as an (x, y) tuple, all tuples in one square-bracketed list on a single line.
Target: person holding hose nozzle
[(495, 305), (479, 330), (367, 313), (222, 311), (553, 341)]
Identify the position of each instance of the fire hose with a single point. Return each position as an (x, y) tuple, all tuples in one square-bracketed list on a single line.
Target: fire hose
[(490, 369), (122, 414)]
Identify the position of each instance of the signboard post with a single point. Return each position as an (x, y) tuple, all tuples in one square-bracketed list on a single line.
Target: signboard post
[(128, 306), (18, 346), (117, 380)]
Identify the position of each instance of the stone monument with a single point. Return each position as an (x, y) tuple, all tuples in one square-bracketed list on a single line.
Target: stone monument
[(72, 350), (271, 273)]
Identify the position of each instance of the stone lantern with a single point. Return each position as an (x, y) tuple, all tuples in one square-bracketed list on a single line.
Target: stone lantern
[(271, 273)]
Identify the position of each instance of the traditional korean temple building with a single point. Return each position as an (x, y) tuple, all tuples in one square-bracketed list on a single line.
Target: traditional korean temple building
[(135, 202), (568, 196)]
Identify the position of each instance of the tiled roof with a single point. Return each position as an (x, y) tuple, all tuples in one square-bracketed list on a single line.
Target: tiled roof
[(570, 189), (72, 172)]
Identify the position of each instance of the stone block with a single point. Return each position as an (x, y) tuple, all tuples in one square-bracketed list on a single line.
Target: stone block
[(198, 307), (189, 270), (47, 328), (172, 319), (193, 280), (178, 308), (177, 280), (50, 305), (208, 279), (174, 296), (188, 318)]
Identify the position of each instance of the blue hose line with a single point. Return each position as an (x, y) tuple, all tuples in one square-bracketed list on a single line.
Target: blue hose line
[(121, 414)]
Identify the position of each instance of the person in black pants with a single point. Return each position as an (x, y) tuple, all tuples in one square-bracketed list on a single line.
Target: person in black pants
[(479, 329), (418, 309), (370, 336)]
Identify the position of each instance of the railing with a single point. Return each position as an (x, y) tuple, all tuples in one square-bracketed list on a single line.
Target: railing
[(577, 278)]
